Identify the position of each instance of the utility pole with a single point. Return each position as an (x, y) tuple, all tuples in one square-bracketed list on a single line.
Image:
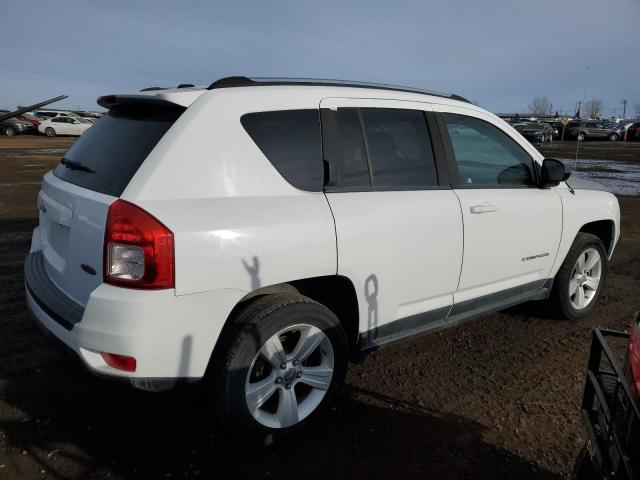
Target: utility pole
[(624, 109)]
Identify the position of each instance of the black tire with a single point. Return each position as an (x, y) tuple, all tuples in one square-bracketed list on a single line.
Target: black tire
[(581, 137), (583, 468), (560, 299), (251, 327), (9, 131), (614, 137), (49, 132)]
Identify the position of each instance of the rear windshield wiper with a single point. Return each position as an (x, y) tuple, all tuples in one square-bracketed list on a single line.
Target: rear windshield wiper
[(76, 166)]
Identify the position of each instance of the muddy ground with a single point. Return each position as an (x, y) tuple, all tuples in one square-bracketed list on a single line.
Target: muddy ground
[(495, 398), (626, 152)]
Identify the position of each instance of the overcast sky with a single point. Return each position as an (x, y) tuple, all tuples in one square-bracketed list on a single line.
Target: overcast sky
[(500, 53)]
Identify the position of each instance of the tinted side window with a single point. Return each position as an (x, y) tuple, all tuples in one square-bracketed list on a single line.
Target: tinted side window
[(399, 148), (58, 119), (290, 139), (487, 156), (344, 149)]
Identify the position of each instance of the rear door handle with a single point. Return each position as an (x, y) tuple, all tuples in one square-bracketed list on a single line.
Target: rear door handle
[(484, 208)]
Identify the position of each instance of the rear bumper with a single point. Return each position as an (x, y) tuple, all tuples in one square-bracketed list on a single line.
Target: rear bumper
[(171, 337), (60, 308)]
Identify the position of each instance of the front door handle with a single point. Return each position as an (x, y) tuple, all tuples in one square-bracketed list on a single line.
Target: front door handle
[(484, 208)]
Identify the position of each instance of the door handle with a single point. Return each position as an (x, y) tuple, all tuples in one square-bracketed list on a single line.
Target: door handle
[(484, 208)]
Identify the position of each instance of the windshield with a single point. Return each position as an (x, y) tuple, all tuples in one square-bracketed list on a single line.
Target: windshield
[(111, 151)]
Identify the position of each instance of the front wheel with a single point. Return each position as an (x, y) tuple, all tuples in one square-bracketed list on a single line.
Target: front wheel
[(280, 369), (49, 132), (581, 137), (613, 137), (579, 282), (9, 131)]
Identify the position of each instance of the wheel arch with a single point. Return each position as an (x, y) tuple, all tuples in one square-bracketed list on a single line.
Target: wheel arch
[(603, 229), (336, 292), (587, 211)]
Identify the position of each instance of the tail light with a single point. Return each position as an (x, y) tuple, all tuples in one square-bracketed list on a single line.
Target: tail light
[(634, 358), (138, 249)]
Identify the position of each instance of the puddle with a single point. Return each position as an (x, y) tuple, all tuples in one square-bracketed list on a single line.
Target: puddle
[(619, 178)]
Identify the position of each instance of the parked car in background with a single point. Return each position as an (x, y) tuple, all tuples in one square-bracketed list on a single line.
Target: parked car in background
[(45, 114), (90, 115), (558, 129), (169, 251), (621, 127), (34, 121), (536, 132), (591, 130), (633, 132), (64, 126), (611, 408), (14, 126)]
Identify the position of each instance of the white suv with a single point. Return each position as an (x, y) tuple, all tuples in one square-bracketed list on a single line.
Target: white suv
[(259, 234)]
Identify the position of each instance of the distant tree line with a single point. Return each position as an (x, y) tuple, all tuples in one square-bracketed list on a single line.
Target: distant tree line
[(540, 107), (594, 108)]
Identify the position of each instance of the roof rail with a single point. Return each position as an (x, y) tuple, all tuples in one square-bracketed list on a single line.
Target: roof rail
[(150, 89), (241, 81)]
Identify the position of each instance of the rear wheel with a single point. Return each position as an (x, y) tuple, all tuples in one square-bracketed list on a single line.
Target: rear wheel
[(280, 369), (49, 132), (9, 131), (579, 282), (581, 137)]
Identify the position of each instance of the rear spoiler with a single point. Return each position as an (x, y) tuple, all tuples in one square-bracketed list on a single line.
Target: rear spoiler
[(111, 101)]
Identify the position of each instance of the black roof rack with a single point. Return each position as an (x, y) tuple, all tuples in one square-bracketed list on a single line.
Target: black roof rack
[(150, 89), (240, 81)]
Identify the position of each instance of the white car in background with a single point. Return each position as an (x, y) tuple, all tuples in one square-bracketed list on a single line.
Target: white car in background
[(54, 113), (64, 126)]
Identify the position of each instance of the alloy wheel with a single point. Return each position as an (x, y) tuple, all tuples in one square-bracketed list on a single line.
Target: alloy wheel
[(289, 376), (585, 278)]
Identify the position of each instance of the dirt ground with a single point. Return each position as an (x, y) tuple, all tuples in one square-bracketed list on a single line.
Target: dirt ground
[(626, 152), (495, 398)]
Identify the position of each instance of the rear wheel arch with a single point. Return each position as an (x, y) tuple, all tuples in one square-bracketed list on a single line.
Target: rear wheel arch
[(335, 292)]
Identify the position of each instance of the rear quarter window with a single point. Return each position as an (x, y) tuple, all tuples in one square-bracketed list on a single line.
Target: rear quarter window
[(291, 141), (115, 147)]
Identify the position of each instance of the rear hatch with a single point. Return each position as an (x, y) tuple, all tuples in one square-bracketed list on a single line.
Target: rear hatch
[(75, 196)]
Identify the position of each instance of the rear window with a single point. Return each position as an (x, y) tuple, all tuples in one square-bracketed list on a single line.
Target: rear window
[(115, 147), (290, 139)]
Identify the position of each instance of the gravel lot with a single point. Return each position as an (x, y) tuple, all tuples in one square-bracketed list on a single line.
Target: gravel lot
[(495, 398)]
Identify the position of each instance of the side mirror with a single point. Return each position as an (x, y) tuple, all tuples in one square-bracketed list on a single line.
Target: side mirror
[(553, 172)]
